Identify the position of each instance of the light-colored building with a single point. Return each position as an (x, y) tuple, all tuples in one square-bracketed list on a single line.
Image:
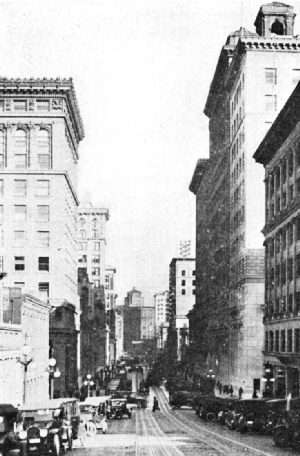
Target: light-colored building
[(92, 241), (119, 324), (147, 322), (40, 129), (110, 291), (279, 153), (182, 283), (134, 298), (255, 74), (24, 320), (161, 304)]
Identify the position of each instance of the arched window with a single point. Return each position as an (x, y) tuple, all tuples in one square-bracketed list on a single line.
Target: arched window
[(20, 149), (43, 143), (82, 222), (277, 27), (95, 222), (2, 149)]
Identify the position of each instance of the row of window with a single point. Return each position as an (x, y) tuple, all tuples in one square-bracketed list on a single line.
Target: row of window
[(84, 235), (237, 244), (95, 259), (83, 246), (21, 158), (183, 283), (283, 341), (239, 194), (286, 236), (20, 213), (42, 238), (183, 292), (43, 263), (238, 218), (24, 105), (42, 187), (238, 169), (237, 145), (238, 120), (284, 271), (183, 272), (289, 303), (238, 93)]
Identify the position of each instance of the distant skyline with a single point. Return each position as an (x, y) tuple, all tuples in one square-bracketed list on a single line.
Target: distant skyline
[(141, 71)]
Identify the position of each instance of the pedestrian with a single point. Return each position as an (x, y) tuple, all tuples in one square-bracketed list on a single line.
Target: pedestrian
[(220, 387), (155, 405), (231, 390), (240, 392), (254, 395)]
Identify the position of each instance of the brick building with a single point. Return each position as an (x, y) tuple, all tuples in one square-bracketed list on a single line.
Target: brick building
[(279, 153), (255, 74)]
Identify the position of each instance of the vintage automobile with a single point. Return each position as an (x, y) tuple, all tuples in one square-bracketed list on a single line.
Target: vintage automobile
[(208, 407), (117, 408), (9, 444), (94, 410), (182, 397), (276, 414), (140, 401), (233, 415), (49, 427), (287, 432), (254, 416), (226, 406)]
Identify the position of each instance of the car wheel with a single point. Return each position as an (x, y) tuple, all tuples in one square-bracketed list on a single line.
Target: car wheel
[(56, 444), (281, 437), (210, 416)]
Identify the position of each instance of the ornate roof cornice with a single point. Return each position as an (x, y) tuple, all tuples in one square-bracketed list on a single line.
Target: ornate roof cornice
[(277, 43), (198, 174), (46, 86)]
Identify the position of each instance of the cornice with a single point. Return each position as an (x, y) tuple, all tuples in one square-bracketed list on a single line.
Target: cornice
[(199, 172), (46, 87), (282, 216), (278, 43)]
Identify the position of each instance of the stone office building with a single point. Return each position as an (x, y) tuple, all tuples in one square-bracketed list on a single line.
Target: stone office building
[(255, 74), (279, 153)]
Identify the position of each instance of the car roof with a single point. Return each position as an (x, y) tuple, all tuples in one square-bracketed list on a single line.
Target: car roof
[(8, 409)]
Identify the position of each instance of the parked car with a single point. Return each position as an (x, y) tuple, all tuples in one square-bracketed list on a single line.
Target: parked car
[(182, 397), (9, 443), (254, 416), (276, 414), (117, 408), (226, 406), (94, 410), (234, 414), (140, 401), (209, 407), (287, 434)]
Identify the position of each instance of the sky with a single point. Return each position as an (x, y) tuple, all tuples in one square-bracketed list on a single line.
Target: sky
[(141, 70)]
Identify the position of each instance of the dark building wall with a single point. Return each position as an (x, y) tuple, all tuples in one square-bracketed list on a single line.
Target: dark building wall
[(63, 342), (132, 326)]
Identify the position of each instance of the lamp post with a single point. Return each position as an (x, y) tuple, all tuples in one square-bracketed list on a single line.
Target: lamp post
[(269, 380), (25, 362), (54, 372), (210, 374), (88, 382)]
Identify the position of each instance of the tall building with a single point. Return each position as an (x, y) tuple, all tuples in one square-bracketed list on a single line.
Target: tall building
[(255, 74), (134, 298), (110, 304), (40, 130), (161, 303), (182, 282), (279, 153), (92, 241)]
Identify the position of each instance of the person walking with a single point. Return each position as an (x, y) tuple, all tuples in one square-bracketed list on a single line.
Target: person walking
[(231, 390), (155, 405), (240, 392)]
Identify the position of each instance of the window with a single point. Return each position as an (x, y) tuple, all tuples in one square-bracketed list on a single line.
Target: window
[(94, 223), (266, 341), (183, 272), (96, 259), (270, 103), (183, 292), (82, 245), (277, 340), (194, 272), (43, 238), (19, 263), (20, 105), (282, 337), (20, 187), (43, 143), (82, 234), (271, 76), (271, 341), (82, 259), (96, 245), (95, 271), (297, 340), (1, 187), (82, 222), (11, 306), (42, 105), (44, 289), (289, 340), (183, 283), (42, 188), (43, 263), (1, 214), (20, 149), (43, 213), (20, 213), (19, 238), (2, 150), (194, 282), (95, 234)]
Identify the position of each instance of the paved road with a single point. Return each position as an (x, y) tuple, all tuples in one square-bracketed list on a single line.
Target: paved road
[(174, 433)]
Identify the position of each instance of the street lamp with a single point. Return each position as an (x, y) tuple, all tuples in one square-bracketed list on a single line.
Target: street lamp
[(54, 372), (269, 380), (88, 382), (210, 374), (27, 359)]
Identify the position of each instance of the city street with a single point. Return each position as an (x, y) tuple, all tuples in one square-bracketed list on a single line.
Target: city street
[(173, 432)]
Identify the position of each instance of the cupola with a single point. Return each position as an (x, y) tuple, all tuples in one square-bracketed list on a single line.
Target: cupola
[(275, 19)]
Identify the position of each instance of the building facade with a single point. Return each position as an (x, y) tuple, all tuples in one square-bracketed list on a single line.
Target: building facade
[(92, 241), (23, 320), (279, 153), (255, 74), (182, 290), (161, 304), (134, 298)]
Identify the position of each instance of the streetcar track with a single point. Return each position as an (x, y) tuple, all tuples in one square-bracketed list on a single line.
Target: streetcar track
[(196, 427)]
